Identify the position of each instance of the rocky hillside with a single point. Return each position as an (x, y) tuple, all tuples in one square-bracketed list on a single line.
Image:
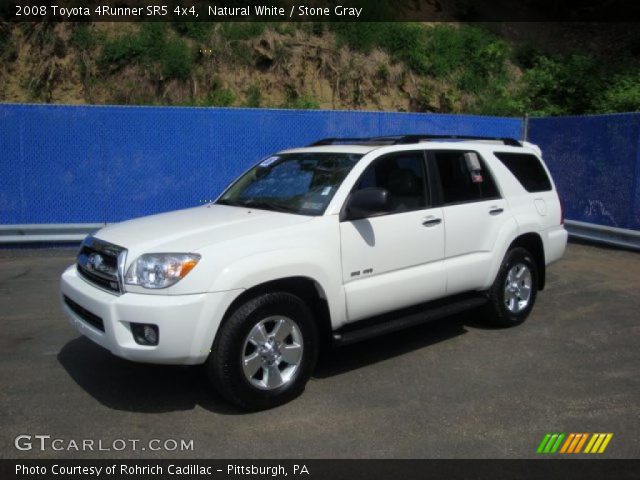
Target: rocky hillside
[(373, 66)]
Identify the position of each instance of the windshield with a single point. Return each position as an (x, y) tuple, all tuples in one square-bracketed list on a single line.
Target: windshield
[(301, 183)]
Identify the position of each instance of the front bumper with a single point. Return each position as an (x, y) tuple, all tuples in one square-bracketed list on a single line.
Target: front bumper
[(187, 323)]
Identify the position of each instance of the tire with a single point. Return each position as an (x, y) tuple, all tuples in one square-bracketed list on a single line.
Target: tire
[(252, 340), (509, 304)]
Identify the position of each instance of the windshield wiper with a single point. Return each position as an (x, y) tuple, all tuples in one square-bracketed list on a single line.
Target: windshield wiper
[(265, 204)]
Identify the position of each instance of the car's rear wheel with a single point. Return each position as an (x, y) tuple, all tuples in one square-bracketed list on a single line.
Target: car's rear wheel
[(514, 291), (265, 352)]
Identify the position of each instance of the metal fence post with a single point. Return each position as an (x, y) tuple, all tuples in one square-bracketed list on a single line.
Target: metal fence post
[(525, 127)]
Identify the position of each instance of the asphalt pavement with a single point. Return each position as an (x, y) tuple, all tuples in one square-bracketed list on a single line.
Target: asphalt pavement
[(454, 388)]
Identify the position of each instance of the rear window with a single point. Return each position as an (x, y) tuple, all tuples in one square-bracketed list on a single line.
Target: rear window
[(527, 169)]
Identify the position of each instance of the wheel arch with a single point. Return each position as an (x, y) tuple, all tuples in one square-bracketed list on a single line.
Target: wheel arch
[(306, 288), (532, 242)]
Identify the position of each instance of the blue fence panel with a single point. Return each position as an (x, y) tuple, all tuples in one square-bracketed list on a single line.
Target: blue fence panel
[(595, 162), (86, 164)]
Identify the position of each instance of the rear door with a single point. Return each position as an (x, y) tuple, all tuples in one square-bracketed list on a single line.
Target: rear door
[(540, 201), (394, 260), (474, 214)]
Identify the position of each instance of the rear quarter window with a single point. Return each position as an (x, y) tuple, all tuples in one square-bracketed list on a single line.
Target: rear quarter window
[(527, 169)]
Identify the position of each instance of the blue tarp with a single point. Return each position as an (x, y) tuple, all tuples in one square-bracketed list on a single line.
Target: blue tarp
[(91, 164), (86, 164), (595, 162)]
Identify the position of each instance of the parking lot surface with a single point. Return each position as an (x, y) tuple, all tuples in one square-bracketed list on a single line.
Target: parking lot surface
[(449, 389)]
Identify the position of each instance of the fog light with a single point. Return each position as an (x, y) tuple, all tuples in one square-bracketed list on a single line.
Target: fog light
[(145, 334)]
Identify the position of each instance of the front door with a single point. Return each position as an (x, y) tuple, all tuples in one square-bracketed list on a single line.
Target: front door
[(394, 260)]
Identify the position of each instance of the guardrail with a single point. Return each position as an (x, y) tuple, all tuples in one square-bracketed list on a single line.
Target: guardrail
[(48, 232), (617, 237), (64, 232)]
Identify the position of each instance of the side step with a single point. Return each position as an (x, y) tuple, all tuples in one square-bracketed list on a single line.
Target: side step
[(405, 318)]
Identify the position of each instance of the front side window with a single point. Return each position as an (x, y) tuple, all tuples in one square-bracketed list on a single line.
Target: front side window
[(402, 174), (302, 183), (460, 183)]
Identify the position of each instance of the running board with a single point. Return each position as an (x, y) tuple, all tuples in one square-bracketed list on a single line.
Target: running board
[(394, 321)]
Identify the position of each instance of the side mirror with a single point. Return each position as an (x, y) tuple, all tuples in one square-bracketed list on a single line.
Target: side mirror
[(367, 203)]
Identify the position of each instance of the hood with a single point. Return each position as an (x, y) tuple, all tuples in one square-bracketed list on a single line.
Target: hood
[(188, 230)]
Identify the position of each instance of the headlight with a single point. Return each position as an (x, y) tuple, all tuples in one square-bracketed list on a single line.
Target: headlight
[(160, 270)]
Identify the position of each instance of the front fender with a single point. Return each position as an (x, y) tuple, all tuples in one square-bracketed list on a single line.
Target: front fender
[(259, 268)]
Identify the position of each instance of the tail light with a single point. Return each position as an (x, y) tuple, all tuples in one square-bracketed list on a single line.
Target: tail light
[(561, 211)]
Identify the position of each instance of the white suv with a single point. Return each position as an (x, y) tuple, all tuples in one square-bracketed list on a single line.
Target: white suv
[(329, 244)]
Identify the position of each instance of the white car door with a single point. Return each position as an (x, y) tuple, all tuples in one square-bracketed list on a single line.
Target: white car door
[(394, 260), (474, 214)]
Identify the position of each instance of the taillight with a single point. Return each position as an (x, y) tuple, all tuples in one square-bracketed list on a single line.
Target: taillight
[(561, 211)]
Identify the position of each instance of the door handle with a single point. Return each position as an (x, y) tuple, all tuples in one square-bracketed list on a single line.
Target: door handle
[(495, 211), (431, 221)]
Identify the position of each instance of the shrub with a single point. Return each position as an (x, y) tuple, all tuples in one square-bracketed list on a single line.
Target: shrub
[(120, 51), (242, 30), (623, 95), (296, 101), (82, 37), (149, 47), (560, 85), (525, 56), (304, 102), (220, 96), (470, 54), (196, 30), (363, 36), (177, 59), (407, 42), (254, 96)]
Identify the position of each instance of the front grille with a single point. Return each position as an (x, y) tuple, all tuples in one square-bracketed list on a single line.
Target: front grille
[(92, 319), (107, 284), (98, 263)]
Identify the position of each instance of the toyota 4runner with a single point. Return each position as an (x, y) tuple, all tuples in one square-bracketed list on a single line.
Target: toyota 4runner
[(328, 244)]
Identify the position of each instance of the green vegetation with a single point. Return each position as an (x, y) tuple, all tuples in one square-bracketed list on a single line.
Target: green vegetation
[(254, 97), (474, 62), (299, 102), (221, 97), (200, 31), (235, 31), (420, 67), (82, 38), (151, 46), (623, 94)]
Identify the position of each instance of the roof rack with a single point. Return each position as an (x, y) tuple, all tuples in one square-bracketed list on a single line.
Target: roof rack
[(406, 139)]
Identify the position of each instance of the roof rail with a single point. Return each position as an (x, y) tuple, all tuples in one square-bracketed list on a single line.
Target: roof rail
[(406, 139)]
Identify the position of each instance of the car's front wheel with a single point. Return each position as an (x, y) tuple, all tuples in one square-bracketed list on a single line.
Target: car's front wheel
[(265, 352)]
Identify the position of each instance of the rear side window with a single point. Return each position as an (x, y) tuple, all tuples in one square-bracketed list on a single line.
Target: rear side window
[(527, 169), (459, 183)]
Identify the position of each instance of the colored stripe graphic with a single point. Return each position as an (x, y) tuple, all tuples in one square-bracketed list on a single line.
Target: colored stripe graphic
[(565, 447), (543, 443), (554, 449), (598, 442), (581, 442), (573, 443), (550, 443)]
